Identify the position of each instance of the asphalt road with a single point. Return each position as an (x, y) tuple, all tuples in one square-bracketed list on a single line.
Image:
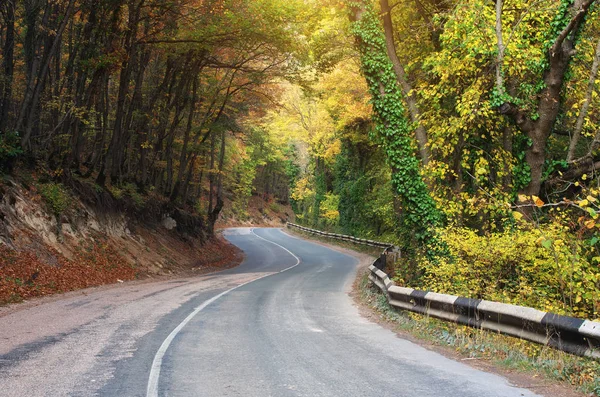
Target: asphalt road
[(280, 324)]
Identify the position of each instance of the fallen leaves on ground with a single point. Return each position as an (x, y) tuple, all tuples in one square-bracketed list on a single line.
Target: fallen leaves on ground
[(24, 275)]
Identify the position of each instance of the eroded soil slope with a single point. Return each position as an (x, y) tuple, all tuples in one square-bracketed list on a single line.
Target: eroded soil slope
[(42, 253)]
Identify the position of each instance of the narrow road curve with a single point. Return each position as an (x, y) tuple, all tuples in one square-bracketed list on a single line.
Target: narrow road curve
[(280, 324)]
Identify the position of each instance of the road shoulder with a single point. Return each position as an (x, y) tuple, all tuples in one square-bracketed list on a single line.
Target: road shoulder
[(533, 381), (205, 267)]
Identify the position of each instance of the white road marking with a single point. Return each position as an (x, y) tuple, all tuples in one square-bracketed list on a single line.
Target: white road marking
[(152, 390), (282, 247)]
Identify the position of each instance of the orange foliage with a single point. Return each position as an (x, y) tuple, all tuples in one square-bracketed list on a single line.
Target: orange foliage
[(24, 275)]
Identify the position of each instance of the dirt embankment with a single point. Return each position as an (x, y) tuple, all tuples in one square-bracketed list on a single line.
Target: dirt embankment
[(260, 212), (91, 243)]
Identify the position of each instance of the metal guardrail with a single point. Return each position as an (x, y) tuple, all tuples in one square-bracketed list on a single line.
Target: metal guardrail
[(569, 334), (341, 237)]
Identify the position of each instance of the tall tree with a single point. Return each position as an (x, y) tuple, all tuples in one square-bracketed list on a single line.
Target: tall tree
[(560, 48), (420, 213), (407, 89), (8, 13)]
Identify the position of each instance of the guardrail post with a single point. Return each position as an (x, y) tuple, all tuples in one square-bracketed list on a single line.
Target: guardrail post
[(381, 262)]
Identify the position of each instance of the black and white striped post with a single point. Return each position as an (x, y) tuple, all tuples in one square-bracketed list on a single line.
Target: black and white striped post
[(569, 334)]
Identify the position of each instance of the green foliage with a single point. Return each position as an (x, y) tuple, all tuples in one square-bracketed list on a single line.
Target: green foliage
[(292, 169), (420, 214), (542, 268), (56, 197), (245, 173), (259, 165), (559, 23), (320, 192), (521, 171), (362, 182), (505, 351), (352, 187), (139, 201), (553, 167), (329, 209), (129, 190), (479, 157), (117, 192), (10, 148), (274, 207)]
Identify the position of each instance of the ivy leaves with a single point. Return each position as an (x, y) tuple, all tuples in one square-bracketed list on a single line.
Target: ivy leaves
[(420, 214)]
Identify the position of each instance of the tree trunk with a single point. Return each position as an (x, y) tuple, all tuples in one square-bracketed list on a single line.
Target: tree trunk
[(188, 179), (501, 49), (411, 100), (183, 157), (25, 119), (507, 145), (213, 214), (211, 175), (116, 147), (420, 214), (221, 163), (586, 105), (559, 58), (7, 64)]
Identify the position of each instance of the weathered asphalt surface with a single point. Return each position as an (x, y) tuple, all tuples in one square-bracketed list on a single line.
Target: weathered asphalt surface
[(290, 333)]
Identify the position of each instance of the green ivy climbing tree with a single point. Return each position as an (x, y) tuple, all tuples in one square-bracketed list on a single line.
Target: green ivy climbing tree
[(420, 215)]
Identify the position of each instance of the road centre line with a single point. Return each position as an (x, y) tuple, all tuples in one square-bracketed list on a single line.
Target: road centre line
[(152, 389)]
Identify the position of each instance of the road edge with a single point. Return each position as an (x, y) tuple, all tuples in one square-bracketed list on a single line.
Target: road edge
[(527, 380), (237, 259), (155, 369)]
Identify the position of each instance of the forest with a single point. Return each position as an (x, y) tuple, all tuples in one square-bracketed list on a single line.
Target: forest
[(138, 96), (464, 131)]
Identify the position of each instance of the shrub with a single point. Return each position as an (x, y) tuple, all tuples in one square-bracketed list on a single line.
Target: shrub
[(10, 149), (115, 192), (329, 209), (138, 200), (55, 196), (274, 207), (523, 267), (128, 190)]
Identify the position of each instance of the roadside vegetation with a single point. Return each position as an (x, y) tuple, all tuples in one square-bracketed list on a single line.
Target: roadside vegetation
[(124, 134), (463, 131), (544, 368), (144, 99), (504, 352)]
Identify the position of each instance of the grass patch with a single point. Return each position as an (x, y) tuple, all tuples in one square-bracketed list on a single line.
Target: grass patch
[(501, 350), (56, 197), (274, 207)]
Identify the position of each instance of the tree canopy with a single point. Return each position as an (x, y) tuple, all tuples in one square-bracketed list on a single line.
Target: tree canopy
[(425, 122)]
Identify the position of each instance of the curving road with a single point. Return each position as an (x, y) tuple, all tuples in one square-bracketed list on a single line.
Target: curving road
[(280, 324)]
